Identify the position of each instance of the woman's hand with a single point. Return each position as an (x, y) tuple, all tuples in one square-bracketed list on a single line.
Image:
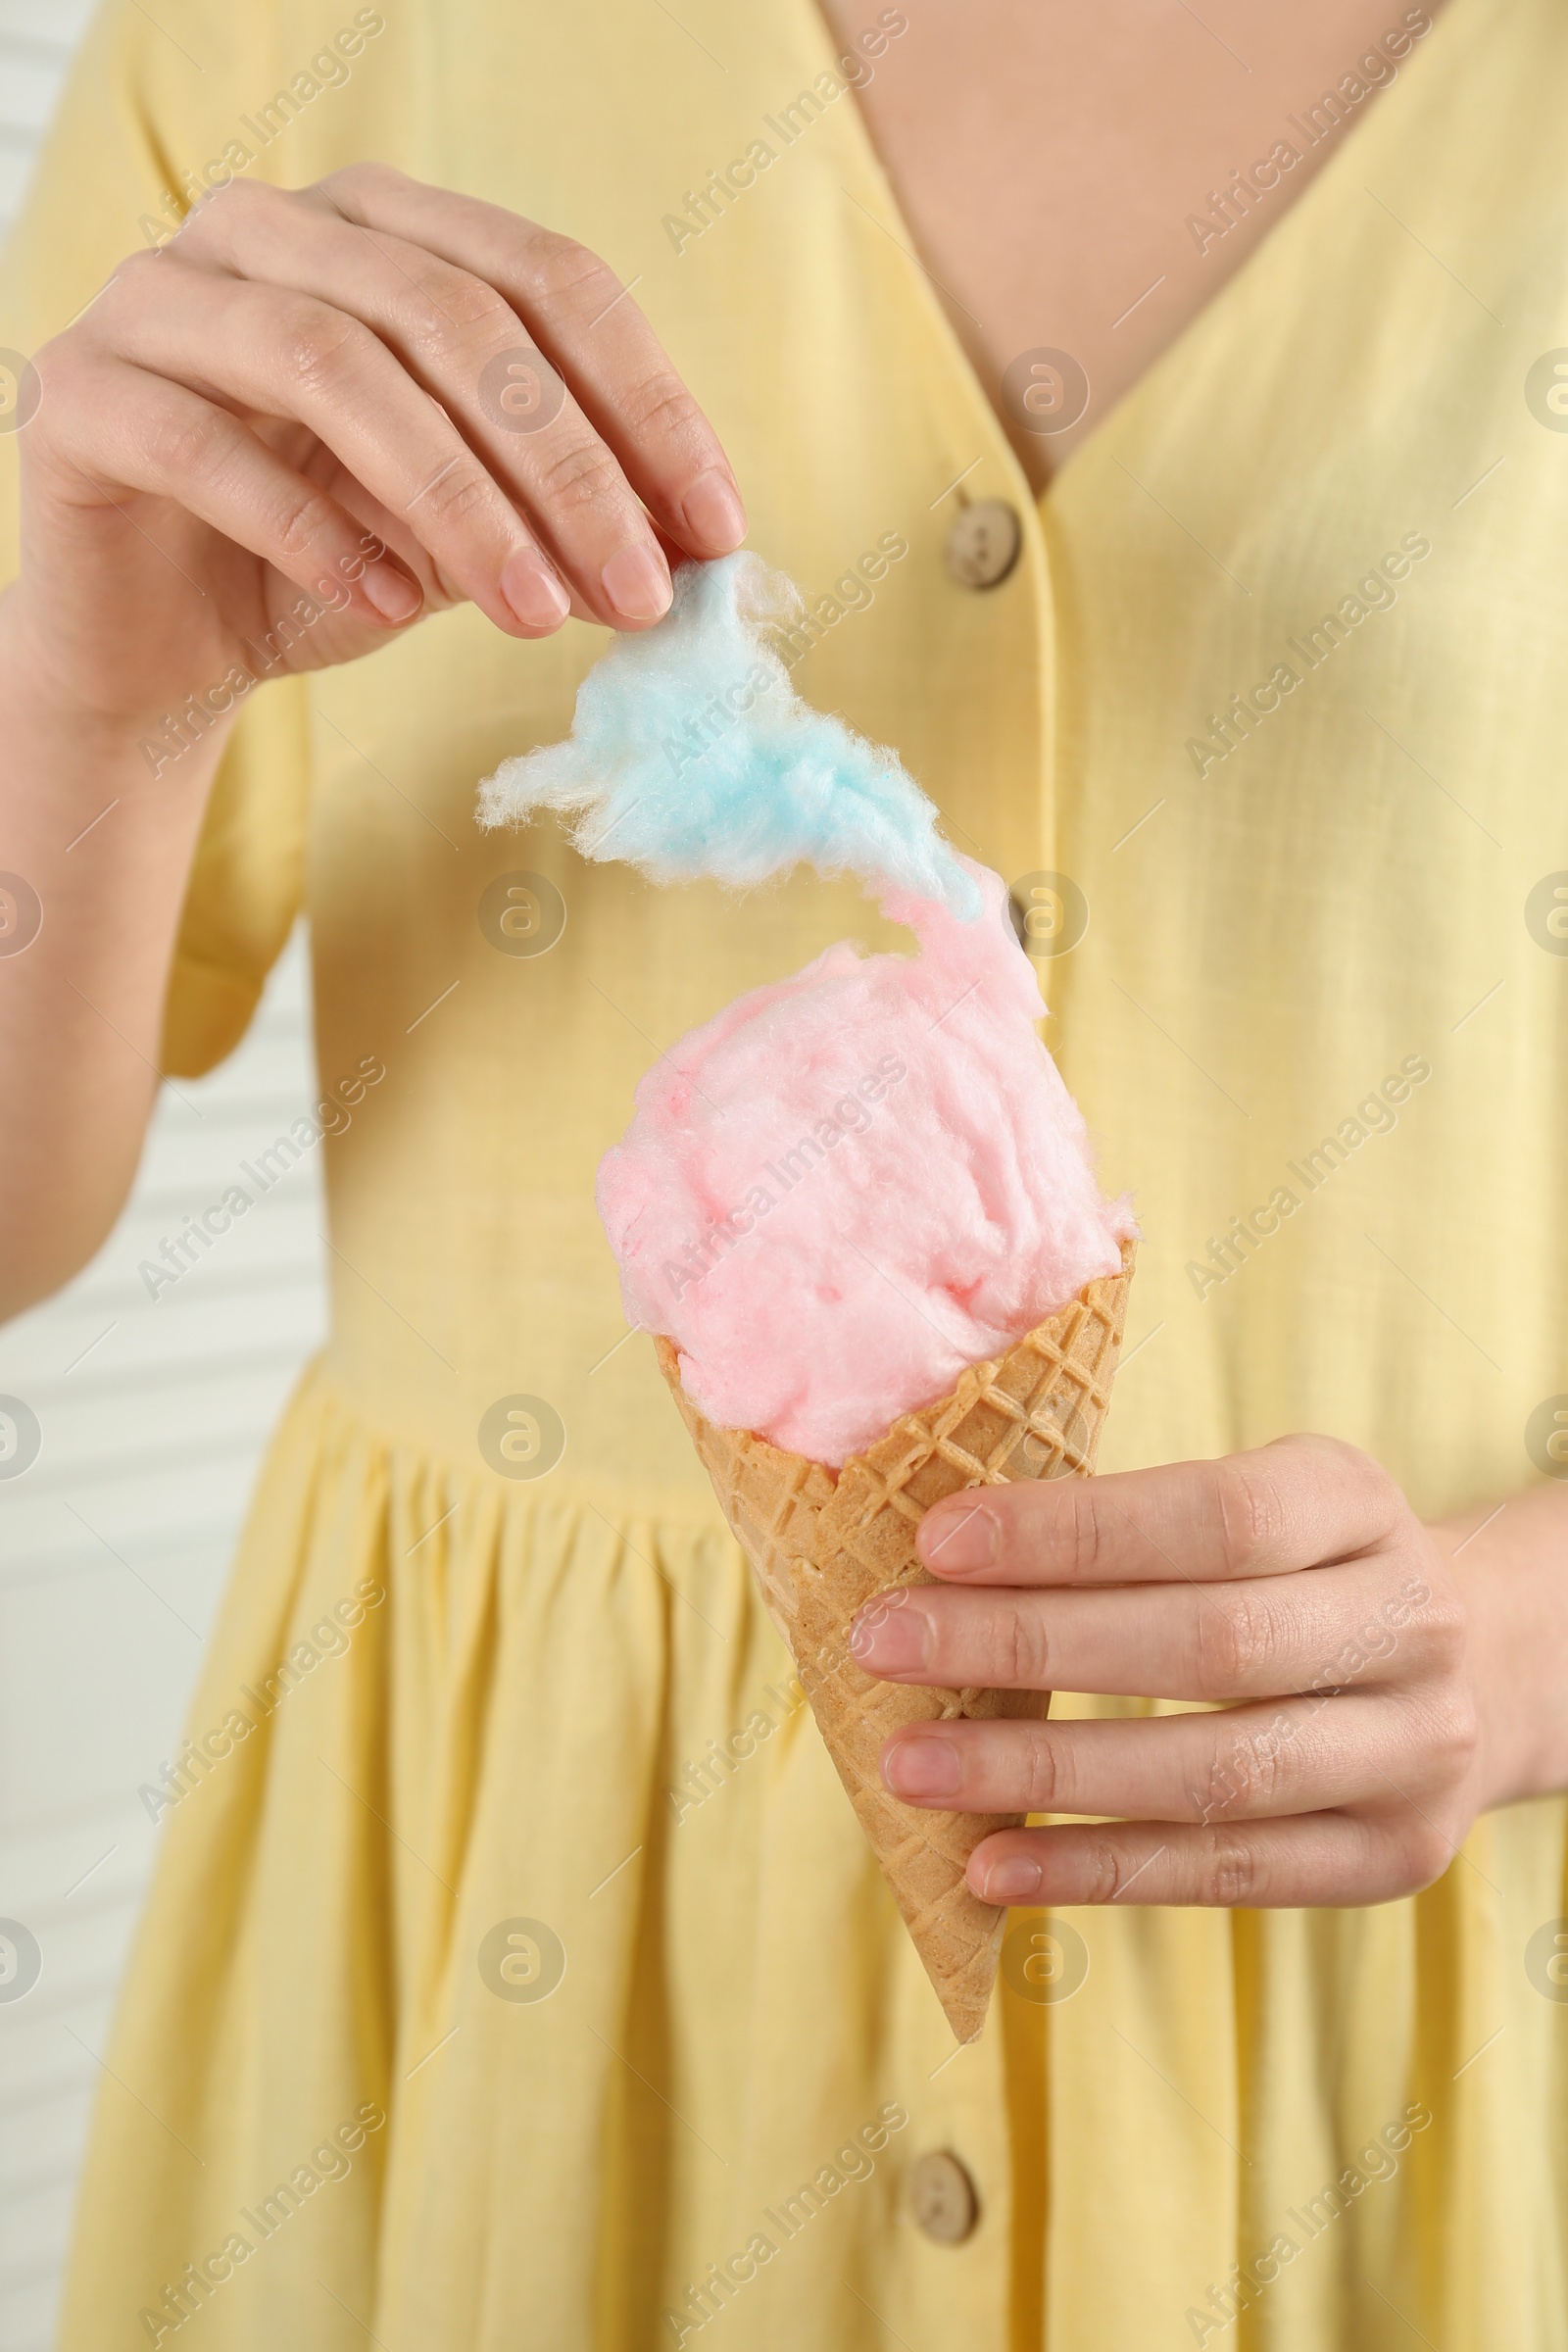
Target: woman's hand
[(267, 447), (373, 394), (1294, 1587)]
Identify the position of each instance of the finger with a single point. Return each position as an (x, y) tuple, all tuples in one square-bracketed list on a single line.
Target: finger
[(1289, 1505), (283, 354), (158, 437), (1367, 1623), (1244, 1763), (1317, 1860), (592, 329), (464, 344)]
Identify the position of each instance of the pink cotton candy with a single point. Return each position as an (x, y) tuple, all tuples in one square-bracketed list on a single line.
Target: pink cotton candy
[(845, 1188)]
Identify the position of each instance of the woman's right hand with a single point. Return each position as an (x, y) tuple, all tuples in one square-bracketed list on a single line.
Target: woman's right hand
[(268, 446), (337, 395)]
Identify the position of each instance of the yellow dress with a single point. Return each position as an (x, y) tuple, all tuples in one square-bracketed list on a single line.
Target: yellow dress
[(509, 1979)]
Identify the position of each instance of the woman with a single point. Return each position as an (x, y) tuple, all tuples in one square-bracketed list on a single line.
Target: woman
[(516, 1971)]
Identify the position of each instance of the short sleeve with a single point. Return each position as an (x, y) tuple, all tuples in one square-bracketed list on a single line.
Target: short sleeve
[(141, 97)]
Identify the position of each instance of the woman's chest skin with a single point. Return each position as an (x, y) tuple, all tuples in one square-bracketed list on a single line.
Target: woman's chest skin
[(1080, 181)]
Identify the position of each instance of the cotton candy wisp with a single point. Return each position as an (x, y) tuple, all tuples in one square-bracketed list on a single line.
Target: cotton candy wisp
[(691, 755)]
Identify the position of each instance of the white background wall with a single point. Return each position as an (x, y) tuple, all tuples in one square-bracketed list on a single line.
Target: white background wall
[(115, 1544)]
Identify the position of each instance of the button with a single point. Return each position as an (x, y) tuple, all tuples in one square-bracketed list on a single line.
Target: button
[(942, 2198), (983, 544)]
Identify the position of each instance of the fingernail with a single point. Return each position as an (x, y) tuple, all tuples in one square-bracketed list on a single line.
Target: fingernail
[(532, 590), (922, 1767), (1012, 1880), (394, 595), (889, 1637), (713, 512), (637, 584), (957, 1535)]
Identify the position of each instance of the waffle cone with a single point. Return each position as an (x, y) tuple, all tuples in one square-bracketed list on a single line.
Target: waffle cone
[(822, 1546)]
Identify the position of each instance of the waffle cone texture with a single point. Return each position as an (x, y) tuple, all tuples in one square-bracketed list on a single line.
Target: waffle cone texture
[(822, 1546)]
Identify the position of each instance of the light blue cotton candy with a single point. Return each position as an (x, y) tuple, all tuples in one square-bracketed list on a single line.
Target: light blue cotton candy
[(691, 755)]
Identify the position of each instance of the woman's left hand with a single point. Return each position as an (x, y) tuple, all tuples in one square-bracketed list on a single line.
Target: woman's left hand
[(1292, 1586)]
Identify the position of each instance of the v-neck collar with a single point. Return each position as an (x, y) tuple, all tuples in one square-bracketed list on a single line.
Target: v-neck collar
[(1320, 194)]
